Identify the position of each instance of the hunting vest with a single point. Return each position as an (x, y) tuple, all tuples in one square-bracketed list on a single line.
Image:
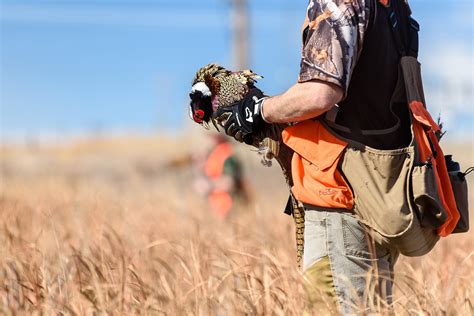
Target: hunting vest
[(394, 178), (219, 200)]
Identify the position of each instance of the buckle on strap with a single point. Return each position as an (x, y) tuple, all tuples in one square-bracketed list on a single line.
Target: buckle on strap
[(393, 19)]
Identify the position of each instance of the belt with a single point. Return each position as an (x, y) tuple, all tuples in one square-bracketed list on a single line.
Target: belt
[(311, 207)]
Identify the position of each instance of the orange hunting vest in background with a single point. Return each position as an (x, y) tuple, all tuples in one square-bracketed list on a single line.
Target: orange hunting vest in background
[(220, 201)]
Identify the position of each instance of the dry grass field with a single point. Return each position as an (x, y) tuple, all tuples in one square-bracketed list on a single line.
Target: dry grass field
[(112, 226)]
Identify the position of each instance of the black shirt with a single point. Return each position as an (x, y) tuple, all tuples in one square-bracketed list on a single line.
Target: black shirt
[(355, 49)]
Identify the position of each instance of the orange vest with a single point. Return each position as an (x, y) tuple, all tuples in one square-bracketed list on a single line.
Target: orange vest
[(214, 167), (316, 179), (220, 201)]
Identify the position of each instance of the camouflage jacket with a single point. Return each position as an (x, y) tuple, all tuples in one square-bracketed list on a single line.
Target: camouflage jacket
[(333, 35)]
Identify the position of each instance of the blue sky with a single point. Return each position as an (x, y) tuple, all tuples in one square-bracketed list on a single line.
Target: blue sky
[(80, 66)]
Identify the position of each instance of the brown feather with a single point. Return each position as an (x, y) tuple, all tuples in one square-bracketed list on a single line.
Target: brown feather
[(213, 84)]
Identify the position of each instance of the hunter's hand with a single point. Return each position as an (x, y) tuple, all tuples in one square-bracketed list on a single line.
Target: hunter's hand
[(243, 119)]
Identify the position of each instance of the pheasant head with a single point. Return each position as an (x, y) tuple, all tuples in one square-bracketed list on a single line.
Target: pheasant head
[(214, 86)]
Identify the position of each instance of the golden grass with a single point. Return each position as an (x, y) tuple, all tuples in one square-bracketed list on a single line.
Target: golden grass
[(107, 226)]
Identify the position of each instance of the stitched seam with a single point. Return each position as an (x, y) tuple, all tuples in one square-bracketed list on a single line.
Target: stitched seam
[(337, 291), (346, 223), (346, 229), (312, 221)]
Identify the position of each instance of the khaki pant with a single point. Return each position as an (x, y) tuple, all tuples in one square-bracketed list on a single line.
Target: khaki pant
[(344, 269)]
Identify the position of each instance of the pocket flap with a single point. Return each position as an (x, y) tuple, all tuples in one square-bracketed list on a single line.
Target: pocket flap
[(423, 116), (311, 140)]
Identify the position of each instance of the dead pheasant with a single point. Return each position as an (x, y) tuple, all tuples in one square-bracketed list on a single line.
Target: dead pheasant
[(214, 86)]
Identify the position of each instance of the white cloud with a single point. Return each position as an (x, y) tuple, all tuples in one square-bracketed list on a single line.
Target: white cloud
[(449, 77)]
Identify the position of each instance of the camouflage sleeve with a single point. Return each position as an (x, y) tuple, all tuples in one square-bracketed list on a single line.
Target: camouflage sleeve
[(332, 40)]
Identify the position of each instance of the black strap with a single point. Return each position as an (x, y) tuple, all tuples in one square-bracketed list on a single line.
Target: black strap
[(311, 207), (289, 210), (413, 30), (404, 49)]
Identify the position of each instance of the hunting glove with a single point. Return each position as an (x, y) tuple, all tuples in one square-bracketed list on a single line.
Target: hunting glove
[(243, 119)]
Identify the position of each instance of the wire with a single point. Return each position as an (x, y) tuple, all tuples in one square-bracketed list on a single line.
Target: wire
[(468, 171)]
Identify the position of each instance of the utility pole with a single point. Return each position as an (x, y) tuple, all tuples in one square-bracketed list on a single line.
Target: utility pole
[(240, 34)]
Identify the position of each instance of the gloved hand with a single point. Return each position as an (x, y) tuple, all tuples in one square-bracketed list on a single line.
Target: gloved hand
[(243, 119)]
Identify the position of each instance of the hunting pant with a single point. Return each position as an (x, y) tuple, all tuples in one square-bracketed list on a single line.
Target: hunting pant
[(343, 267)]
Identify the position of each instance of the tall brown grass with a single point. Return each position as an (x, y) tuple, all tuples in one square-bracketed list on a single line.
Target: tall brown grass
[(110, 226)]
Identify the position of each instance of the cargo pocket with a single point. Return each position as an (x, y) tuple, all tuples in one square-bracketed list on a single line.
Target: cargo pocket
[(426, 197), (459, 185), (379, 180)]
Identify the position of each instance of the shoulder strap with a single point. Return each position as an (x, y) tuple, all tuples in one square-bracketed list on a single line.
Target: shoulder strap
[(411, 47), (409, 84)]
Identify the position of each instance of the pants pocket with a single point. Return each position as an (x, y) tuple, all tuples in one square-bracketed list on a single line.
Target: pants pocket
[(356, 240), (426, 197)]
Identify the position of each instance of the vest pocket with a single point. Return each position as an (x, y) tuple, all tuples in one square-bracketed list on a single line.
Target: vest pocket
[(459, 185), (426, 197), (379, 180), (316, 179)]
